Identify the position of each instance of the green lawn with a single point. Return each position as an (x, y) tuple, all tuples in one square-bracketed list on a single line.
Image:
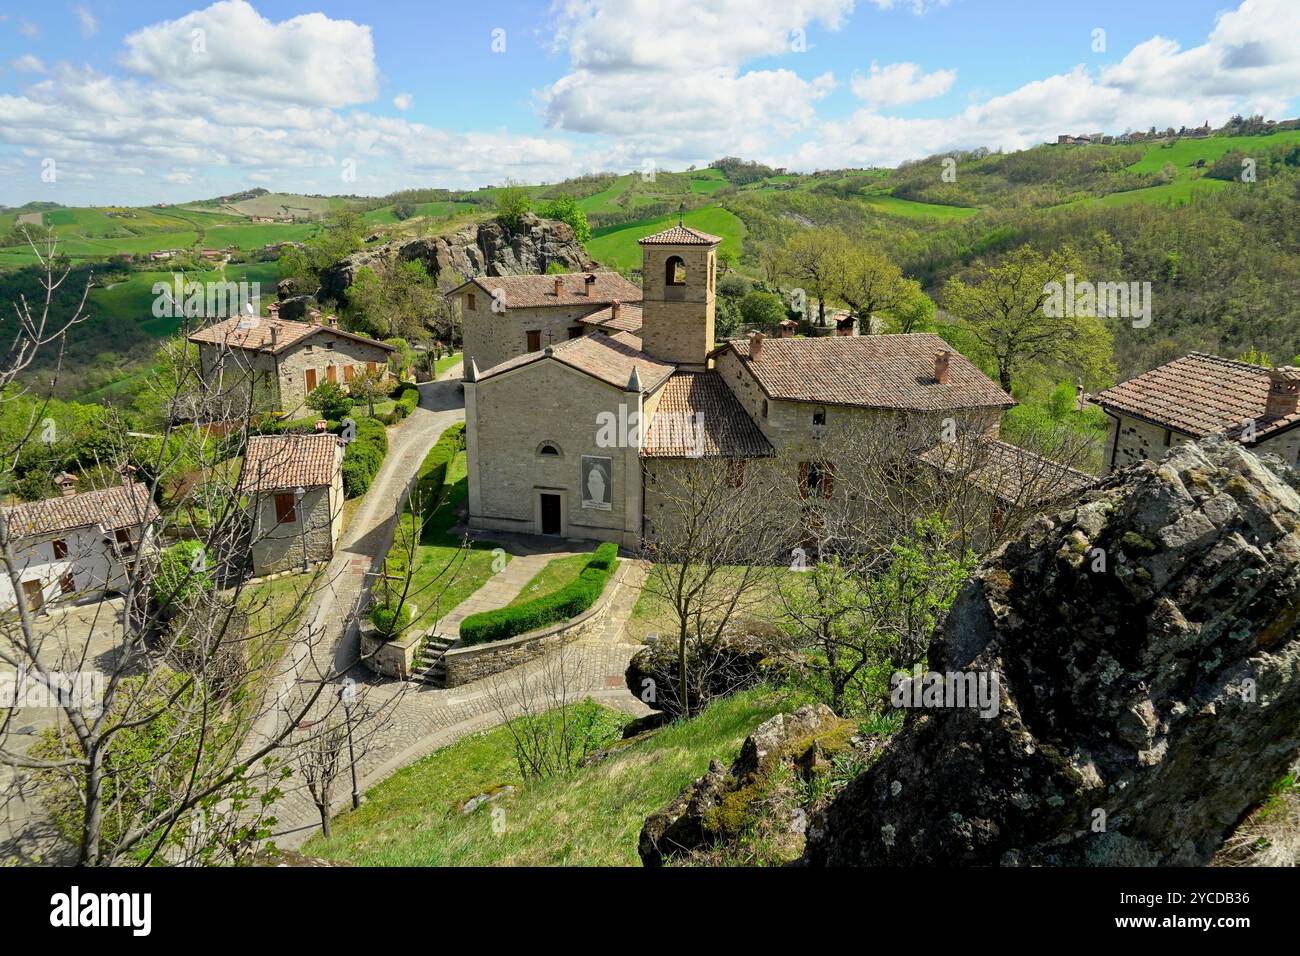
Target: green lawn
[(591, 817), (910, 209), (616, 246), (446, 362), (134, 297), (1185, 152), (1179, 191), (557, 573)]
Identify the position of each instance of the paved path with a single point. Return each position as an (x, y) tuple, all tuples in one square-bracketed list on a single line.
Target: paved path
[(419, 719)]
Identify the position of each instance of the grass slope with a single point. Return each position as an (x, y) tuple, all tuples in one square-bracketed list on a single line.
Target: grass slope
[(911, 209), (591, 817)]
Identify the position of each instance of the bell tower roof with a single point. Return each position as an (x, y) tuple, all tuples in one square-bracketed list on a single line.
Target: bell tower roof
[(681, 236)]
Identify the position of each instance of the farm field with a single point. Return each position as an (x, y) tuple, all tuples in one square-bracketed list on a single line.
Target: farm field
[(384, 216), (910, 209), (134, 297), (616, 246)]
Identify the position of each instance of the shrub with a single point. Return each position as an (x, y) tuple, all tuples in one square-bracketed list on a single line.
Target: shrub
[(330, 400), (568, 602), (433, 474), (182, 572), (365, 453), (406, 397), (390, 621)]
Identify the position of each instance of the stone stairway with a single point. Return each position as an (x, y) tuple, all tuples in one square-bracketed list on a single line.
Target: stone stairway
[(429, 668)]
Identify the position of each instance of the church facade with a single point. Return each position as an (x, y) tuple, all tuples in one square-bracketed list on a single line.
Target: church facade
[(568, 439)]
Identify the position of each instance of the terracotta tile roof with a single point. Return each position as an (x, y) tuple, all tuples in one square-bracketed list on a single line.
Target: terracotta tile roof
[(274, 462), (680, 236), (725, 430), (108, 508), (629, 318), (872, 371), (287, 334), (609, 358), (533, 292), (1199, 395), (1008, 472)]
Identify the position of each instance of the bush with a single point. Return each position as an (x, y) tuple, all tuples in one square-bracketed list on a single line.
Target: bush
[(568, 602), (365, 453), (391, 621), (182, 572), (330, 400), (406, 398)]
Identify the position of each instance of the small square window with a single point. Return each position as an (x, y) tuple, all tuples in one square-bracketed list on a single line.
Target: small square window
[(819, 416)]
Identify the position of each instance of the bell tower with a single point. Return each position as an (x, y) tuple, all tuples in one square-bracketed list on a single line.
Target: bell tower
[(677, 276)]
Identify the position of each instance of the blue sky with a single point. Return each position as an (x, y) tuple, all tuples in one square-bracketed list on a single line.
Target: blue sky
[(136, 102)]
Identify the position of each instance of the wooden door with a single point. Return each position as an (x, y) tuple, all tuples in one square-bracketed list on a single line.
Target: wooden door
[(33, 595), (311, 380), (550, 514)]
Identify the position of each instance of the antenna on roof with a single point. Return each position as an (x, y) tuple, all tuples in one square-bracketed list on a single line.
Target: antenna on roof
[(249, 318)]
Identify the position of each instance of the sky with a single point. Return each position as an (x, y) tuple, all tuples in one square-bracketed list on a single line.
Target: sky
[(133, 102)]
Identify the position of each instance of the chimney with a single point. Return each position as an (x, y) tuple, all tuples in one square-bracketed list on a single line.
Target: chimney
[(313, 316), (67, 484), (333, 320), (128, 475), (559, 287), (1283, 392), (275, 336), (755, 346), (588, 282), (941, 359), (614, 308), (322, 426), (273, 310), (788, 328)]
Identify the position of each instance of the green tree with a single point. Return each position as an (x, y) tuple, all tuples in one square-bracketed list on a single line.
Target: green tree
[(403, 210), (868, 282), (810, 259), (567, 210), (762, 310), (330, 400), (513, 203), (1001, 307)]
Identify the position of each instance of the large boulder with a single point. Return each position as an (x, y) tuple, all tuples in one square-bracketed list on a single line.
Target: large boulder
[(1145, 650), (759, 789), (488, 248)]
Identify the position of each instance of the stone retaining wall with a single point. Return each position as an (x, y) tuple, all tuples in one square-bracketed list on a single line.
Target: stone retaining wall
[(395, 659), (466, 664)]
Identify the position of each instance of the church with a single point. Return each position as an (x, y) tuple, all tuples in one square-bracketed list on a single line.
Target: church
[(569, 437)]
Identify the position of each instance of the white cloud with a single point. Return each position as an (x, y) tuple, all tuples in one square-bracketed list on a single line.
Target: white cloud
[(917, 6), (403, 101), (28, 64), (89, 25), (667, 76), (179, 178), (229, 49), (899, 83)]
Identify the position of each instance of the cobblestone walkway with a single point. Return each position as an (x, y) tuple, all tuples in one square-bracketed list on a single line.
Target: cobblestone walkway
[(423, 719)]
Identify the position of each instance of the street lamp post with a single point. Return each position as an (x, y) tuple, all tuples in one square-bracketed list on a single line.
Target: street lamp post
[(348, 693), (298, 495)]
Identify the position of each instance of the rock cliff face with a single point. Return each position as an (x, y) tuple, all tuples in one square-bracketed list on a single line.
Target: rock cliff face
[(1147, 657), (488, 248)]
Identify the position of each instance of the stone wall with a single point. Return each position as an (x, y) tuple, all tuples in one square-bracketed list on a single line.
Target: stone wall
[(510, 416), (466, 664), (395, 659), (279, 547), (1142, 441), (323, 352), (491, 338)]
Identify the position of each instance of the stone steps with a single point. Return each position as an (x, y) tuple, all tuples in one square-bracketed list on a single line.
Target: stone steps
[(429, 668)]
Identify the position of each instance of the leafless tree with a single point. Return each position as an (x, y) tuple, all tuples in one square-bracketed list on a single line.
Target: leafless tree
[(187, 725)]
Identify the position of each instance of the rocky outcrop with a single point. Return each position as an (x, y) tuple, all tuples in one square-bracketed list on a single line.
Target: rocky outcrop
[(1145, 651), (745, 654), (488, 248), (758, 790)]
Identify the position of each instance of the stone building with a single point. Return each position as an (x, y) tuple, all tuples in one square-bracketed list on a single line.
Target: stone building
[(294, 488), (77, 545), (572, 437), (508, 316), (1200, 395), (281, 361)]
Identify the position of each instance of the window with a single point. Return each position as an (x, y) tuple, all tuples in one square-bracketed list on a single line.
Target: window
[(737, 478), (674, 271), (123, 539), (286, 509), (471, 302), (332, 373), (311, 380), (330, 346), (1169, 437), (549, 449), (534, 340), (372, 367), (68, 584), (575, 331), (60, 548), (816, 479), (765, 408), (819, 415), (349, 372)]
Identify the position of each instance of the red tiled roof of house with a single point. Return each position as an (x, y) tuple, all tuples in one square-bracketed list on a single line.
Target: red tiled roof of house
[(610, 358), (237, 333), (533, 292), (628, 319), (108, 508), (274, 462), (1199, 395), (872, 371), (680, 236), (698, 416), (1008, 472)]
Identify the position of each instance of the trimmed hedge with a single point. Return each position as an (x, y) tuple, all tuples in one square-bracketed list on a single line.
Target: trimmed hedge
[(391, 621), (568, 602), (433, 475), (364, 454)]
